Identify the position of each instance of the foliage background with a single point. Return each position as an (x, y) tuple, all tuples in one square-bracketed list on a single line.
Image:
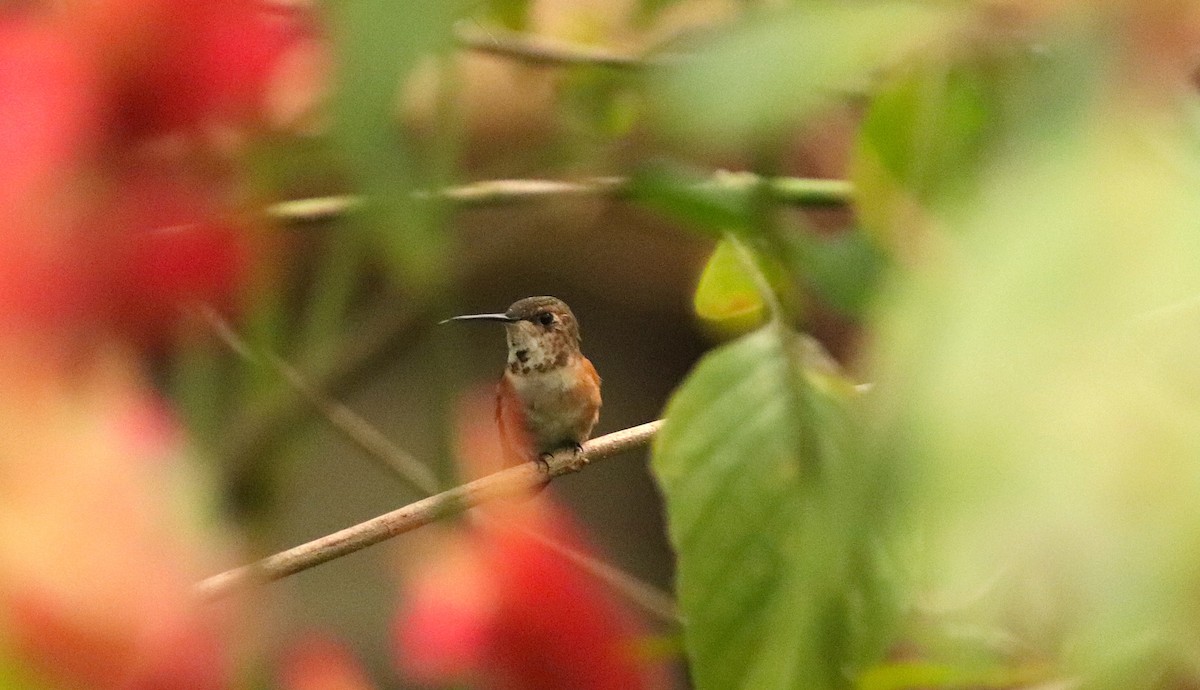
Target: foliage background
[(912, 282)]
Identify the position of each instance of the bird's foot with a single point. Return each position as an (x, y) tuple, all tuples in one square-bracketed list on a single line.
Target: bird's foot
[(579, 459)]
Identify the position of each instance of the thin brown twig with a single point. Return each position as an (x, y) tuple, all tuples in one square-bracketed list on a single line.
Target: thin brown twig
[(378, 447), (543, 50), (509, 482), (385, 330), (500, 192), (789, 190)]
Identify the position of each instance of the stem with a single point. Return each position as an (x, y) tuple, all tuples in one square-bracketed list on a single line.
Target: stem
[(377, 446), (509, 482), (801, 191), (542, 50)]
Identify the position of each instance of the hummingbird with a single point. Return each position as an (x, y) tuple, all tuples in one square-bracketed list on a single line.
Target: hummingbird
[(548, 397)]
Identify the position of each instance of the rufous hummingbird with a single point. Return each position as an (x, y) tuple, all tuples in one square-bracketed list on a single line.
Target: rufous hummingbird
[(549, 395)]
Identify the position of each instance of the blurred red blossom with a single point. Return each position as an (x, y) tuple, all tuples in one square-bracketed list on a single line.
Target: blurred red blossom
[(497, 607), (47, 124), (97, 565), (48, 115), (320, 662), (208, 63), (89, 88), (170, 245)]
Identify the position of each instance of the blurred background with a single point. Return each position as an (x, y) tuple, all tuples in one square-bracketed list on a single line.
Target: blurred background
[(222, 219)]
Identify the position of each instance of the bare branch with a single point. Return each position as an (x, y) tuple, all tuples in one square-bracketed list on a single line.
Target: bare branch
[(543, 50), (378, 447), (386, 330), (502, 192), (509, 482), (314, 210), (788, 190)]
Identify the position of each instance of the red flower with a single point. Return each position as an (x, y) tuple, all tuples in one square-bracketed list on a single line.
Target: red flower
[(48, 111), (47, 126), (502, 609), (209, 62), (170, 247), (322, 663)]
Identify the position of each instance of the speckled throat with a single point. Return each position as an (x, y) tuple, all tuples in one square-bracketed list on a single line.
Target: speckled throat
[(532, 352)]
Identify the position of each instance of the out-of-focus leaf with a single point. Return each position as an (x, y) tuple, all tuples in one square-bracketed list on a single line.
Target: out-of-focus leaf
[(692, 199), (512, 14), (922, 143), (600, 103), (843, 269), (727, 297), (912, 675), (379, 43), (648, 9), (782, 64), (904, 676), (1039, 371), (767, 508)]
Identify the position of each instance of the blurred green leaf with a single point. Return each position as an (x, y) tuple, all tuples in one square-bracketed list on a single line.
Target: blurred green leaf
[(922, 675), (767, 509), (1039, 373), (692, 198), (908, 676), (780, 65), (380, 43), (647, 10), (511, 14), (727, 296), (923, 142), (199, 386), (339, 270), (599, 103), (844, 269)]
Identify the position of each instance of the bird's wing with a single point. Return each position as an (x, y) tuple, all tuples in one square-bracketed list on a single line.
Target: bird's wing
[(515, 440), (590, 372)]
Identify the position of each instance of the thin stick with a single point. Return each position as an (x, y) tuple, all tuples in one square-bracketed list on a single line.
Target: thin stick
[(801, 191), (543, 50), (509, 482), (387, 329), (502, 192), (378, 447)]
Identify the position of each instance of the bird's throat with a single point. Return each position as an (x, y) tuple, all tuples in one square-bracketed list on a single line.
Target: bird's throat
[(529, 356)]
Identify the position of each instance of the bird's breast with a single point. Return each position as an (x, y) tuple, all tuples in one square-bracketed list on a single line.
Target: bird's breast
[(560, 404)]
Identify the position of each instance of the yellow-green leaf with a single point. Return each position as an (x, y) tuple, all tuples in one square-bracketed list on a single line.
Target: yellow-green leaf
[(727, 297)]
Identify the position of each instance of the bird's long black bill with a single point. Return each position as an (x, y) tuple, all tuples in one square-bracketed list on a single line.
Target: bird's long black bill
[(480, 317)]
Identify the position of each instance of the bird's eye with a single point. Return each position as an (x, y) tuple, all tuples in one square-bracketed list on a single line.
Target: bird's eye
[(545, 318)]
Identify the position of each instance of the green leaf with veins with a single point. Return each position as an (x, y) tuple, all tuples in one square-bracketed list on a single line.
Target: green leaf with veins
[(767, 507)]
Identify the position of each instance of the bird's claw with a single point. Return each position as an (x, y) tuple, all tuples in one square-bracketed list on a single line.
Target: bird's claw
[(578, 459)]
